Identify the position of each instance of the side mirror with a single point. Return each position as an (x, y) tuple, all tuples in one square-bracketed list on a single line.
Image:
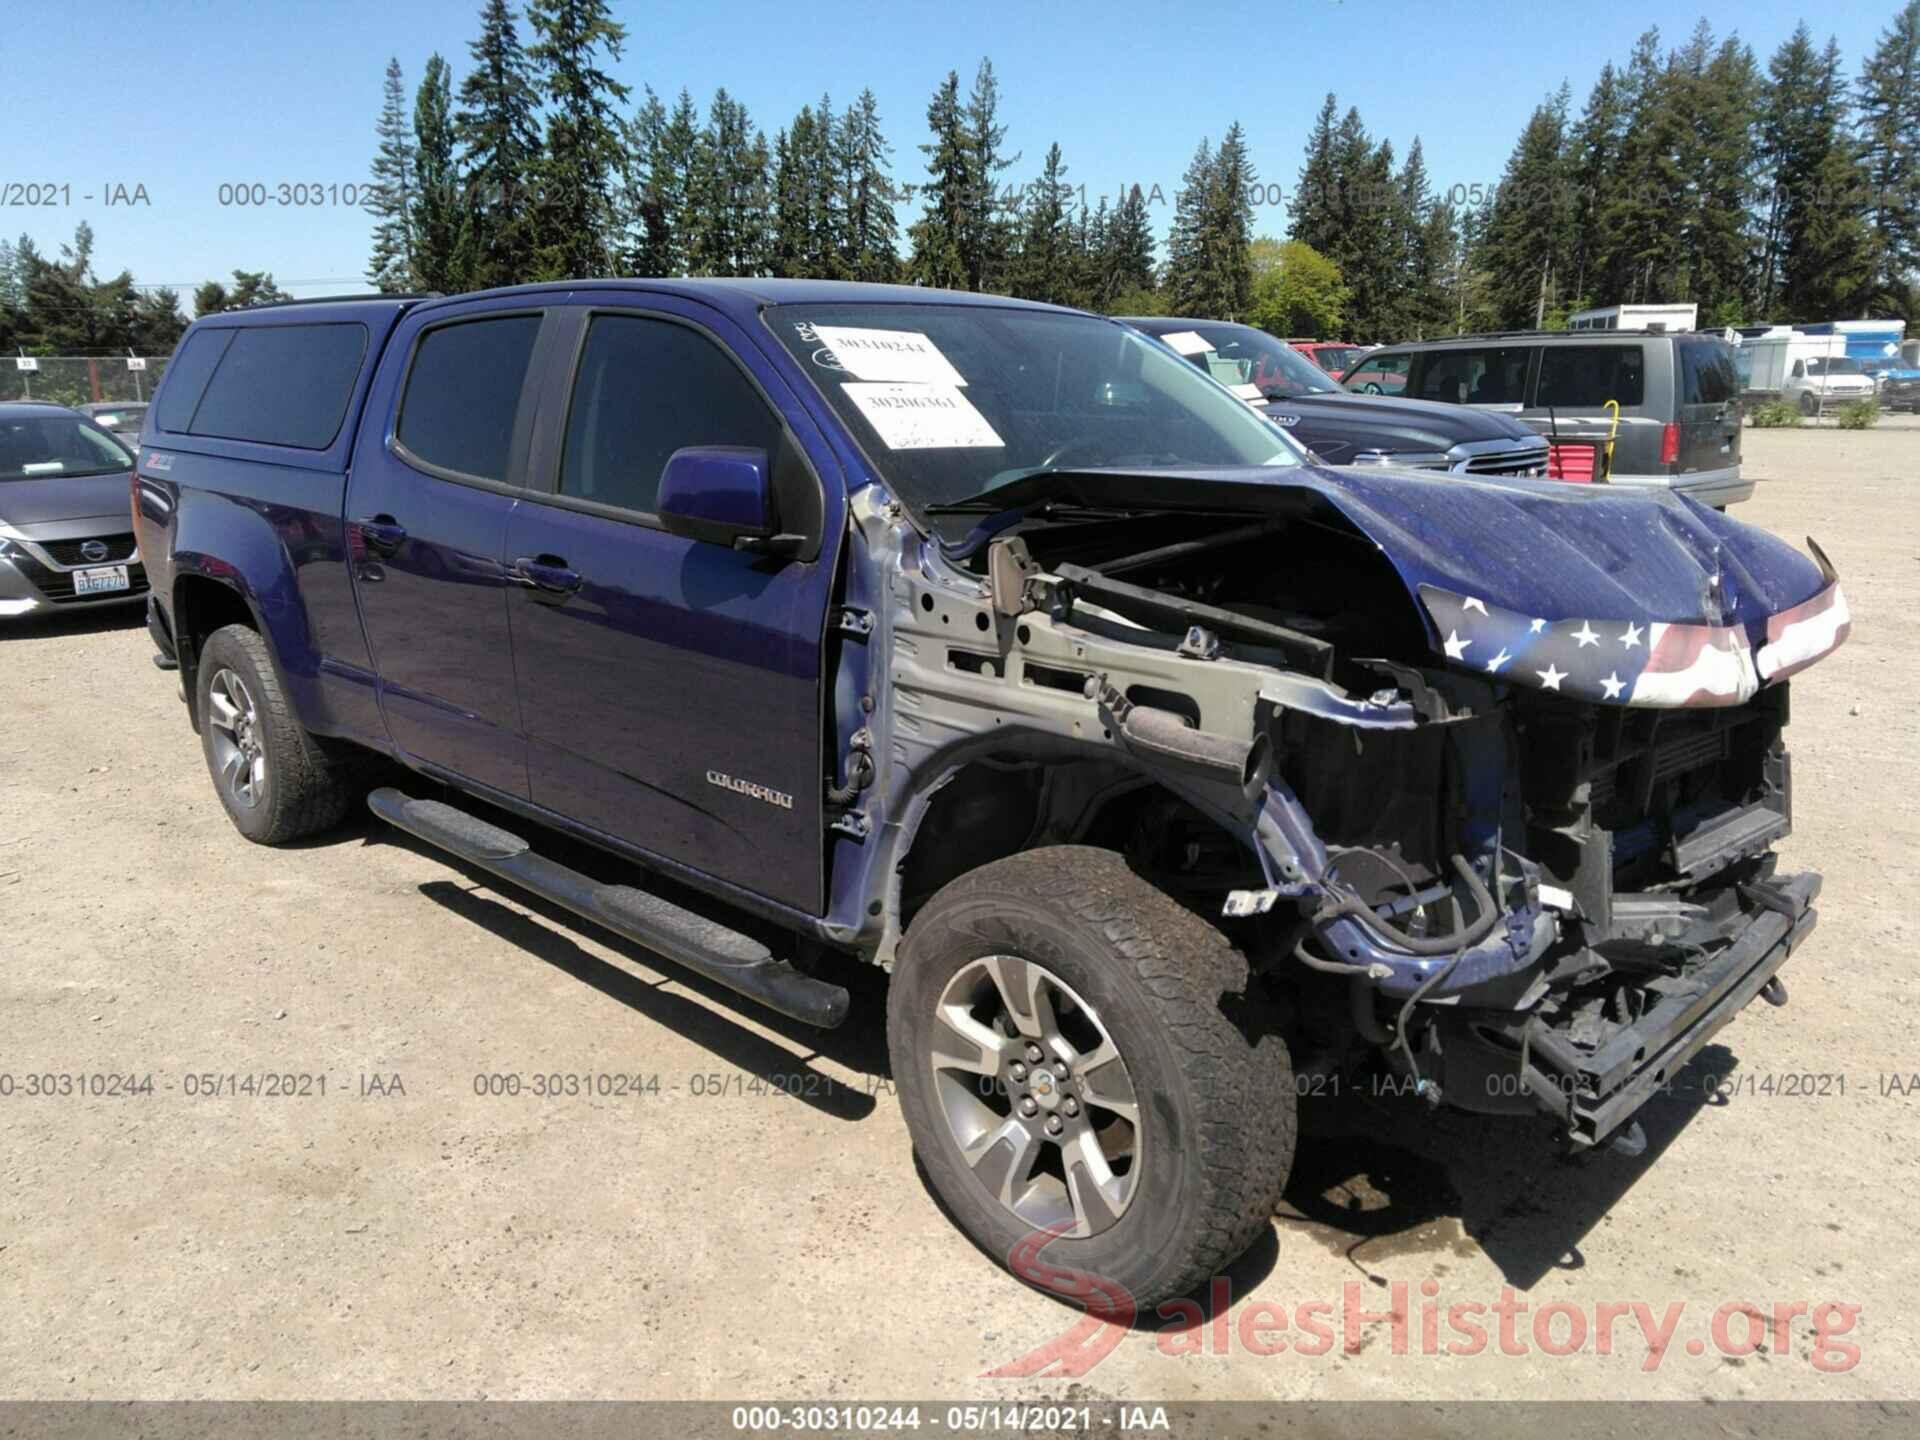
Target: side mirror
[(722, 495)]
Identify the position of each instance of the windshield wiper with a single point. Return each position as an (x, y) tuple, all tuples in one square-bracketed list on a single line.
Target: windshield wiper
[(984, 502)]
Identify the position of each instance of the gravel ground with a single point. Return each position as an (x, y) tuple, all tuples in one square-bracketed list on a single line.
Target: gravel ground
[(754, 1227)]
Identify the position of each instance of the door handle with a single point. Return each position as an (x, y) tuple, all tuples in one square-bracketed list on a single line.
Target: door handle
[(382, 534), (547, 574)]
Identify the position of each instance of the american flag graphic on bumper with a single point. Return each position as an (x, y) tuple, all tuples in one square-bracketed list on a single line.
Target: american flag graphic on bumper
[(1635, 661)]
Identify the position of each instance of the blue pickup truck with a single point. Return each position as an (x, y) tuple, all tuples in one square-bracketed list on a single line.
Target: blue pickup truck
[(1166, 771)]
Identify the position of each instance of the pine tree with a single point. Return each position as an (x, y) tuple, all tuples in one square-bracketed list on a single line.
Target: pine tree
[(1827, 264), (1044, 267), (1363, 246), (1441, 248), (59, 297), (1089, 285), (1794, 137), (390, 267), (437, 217), (660, 174), (1529, 237), (1819, 259), (1645, 250), (1592, 166), (870, 232), (728, 192), (1889, 133), (1721, 170), (499, 151), (1209, 264), (986, 236), (1418, 306), (1316, 211), (806, 239), (1127, 250), (1186, 260), (1229, 231), (250, 287), (157, 322), (940, 235), (787, 255), (1473, 285), (575, 220)]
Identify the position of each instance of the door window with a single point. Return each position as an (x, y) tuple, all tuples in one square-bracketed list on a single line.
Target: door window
[(645, 389), (1587, 376), (463, 396), (1493, 376)]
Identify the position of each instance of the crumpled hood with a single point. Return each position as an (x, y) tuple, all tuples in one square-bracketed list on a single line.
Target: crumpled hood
[(1549, 557), (64, 497)]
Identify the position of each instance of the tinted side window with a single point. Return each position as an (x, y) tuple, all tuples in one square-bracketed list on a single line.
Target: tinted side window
[(1496, 375), (186, 378), (1707, 373), (463, 394), (647, 388), (283, 385), (1591, 375)]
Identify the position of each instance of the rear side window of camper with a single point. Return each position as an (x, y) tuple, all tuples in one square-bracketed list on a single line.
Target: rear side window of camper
[(286, 385)]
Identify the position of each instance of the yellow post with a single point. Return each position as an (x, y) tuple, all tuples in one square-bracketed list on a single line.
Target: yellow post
[(1612, 430)]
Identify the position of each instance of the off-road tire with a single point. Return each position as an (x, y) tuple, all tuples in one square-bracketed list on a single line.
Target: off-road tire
[(1217, 1096), (305, 791)]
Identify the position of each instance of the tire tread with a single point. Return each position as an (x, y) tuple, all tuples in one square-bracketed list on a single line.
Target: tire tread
[(1245, 1090), (308, 792)]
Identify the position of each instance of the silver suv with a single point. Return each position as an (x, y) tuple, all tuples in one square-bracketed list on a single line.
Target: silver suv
[(1678, 396)]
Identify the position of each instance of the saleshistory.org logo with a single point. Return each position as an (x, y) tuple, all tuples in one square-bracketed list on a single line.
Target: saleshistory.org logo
[(1509, 1325), (750, 790)]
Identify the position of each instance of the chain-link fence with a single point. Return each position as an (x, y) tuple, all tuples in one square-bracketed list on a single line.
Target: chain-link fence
[(81, 379)]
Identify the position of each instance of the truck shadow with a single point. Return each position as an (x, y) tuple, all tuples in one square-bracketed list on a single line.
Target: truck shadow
[(777, 1069), (1401, 1192), (1380, 1178), (676, 999)]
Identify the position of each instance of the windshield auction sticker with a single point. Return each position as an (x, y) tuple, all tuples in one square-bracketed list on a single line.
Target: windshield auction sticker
[(899, 355), (1185, 342), (923, 417)]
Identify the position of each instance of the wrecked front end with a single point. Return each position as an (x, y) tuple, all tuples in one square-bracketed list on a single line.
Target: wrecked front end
[(1517, 837)]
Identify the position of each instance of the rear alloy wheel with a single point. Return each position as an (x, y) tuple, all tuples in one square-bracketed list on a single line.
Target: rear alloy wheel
[(275, 781), (1084, 1077), (238, 753)]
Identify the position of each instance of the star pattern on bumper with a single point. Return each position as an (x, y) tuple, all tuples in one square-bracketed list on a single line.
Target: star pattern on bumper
[(1625, 660)]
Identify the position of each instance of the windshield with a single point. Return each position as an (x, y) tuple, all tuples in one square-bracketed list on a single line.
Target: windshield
[(44, 445), (952, 400), (1834, 367), (1242, 355)]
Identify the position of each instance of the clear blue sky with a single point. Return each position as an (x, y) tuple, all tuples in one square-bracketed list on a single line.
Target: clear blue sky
[(180, 97)]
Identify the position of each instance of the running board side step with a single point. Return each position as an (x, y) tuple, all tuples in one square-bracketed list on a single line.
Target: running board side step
[(705, 946)]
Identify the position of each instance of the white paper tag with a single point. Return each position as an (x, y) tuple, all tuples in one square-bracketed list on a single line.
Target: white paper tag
[(923, 417), (1186, 342), (897, 355), (1250, 393)]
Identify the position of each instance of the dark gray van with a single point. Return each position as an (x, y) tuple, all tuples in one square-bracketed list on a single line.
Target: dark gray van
[(1679, 396)]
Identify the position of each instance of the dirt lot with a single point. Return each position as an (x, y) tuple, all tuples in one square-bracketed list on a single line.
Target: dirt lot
[(755, 1228)]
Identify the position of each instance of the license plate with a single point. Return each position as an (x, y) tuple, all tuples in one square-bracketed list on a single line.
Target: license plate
[(102, 581)]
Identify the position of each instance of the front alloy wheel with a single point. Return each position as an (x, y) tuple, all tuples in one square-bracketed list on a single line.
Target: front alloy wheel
[(1036, 1095), (1087, 1071)]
